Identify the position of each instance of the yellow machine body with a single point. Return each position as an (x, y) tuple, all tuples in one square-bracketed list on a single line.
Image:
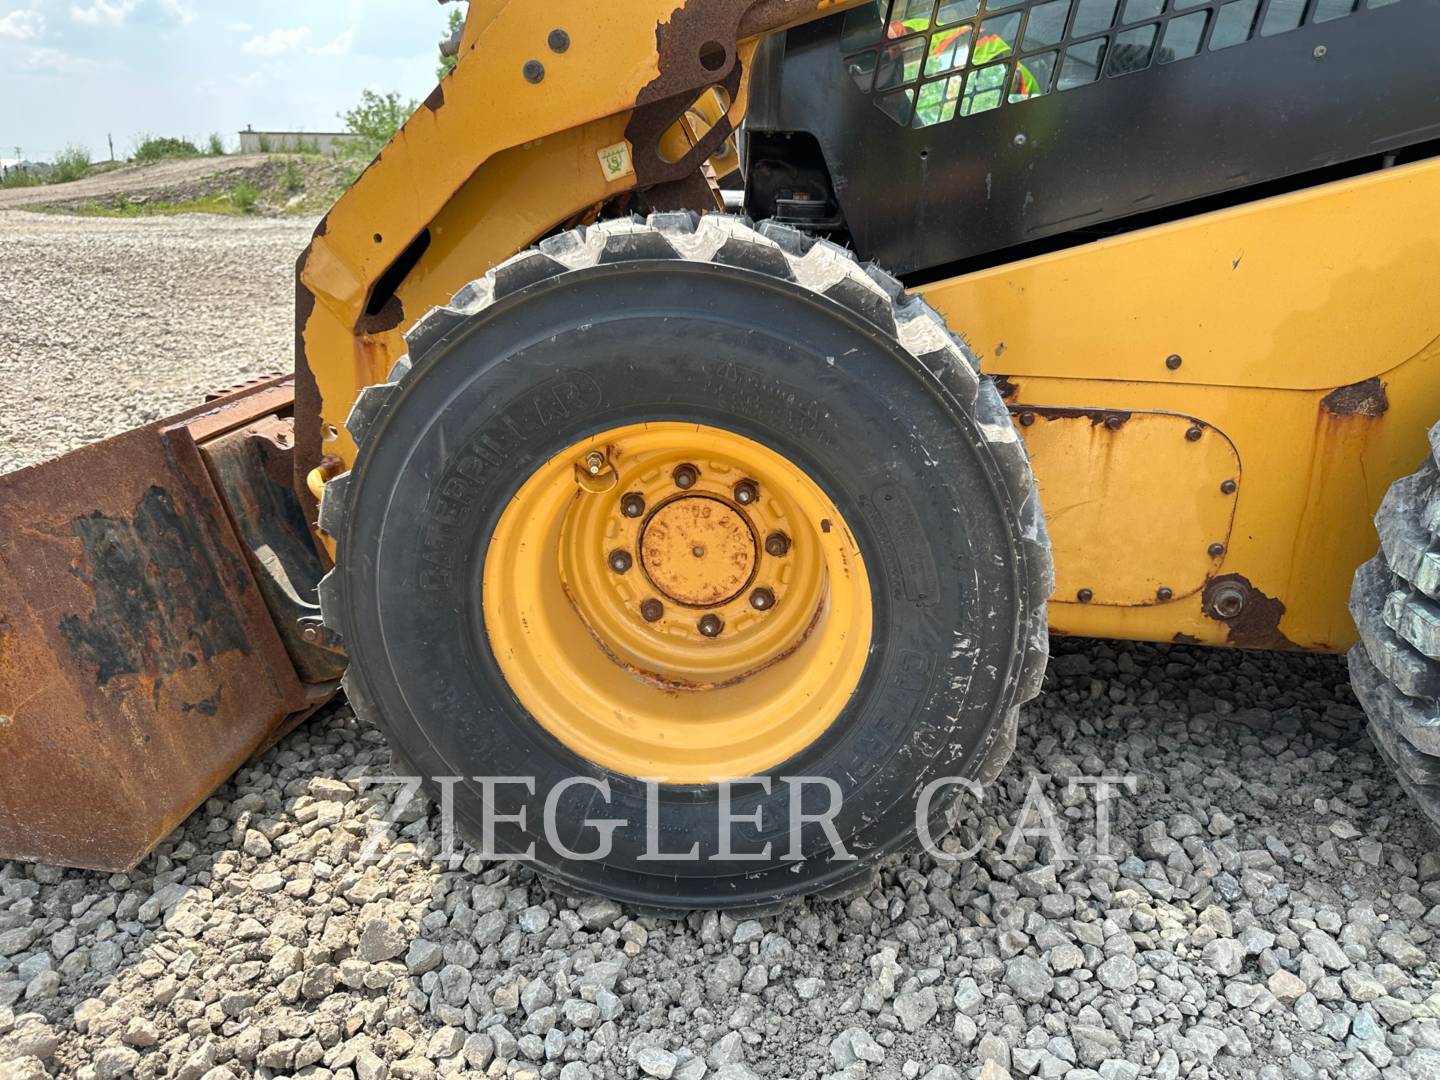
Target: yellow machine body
[(1307, 338), (1214, 407)]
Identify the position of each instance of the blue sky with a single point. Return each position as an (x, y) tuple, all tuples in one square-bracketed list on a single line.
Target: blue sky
[(75, 71)]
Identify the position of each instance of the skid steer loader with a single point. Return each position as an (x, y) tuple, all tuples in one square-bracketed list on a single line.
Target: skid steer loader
[(594, 494)]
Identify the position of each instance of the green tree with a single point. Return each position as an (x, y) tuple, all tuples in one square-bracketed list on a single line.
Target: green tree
[(374, 122), (456, 24)]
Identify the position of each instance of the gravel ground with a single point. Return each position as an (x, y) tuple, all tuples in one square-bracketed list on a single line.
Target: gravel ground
[(1267, 906), (112, 323)]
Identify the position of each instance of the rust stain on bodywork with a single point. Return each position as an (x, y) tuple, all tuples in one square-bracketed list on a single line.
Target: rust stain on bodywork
[(1252, 616), (1111, 419), (684, 46), (1365, 398)]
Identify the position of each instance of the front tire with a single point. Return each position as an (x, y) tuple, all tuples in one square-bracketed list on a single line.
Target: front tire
[(776, 341)]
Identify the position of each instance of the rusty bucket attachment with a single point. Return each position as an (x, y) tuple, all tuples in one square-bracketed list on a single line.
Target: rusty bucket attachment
[(154, 596)]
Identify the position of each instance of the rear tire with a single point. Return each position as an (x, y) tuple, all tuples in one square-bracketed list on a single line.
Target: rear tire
[(1395, 601), (783, 340)]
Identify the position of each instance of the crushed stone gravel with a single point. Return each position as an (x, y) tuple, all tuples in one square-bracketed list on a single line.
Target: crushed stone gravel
[(1268, 905), (112, 323)]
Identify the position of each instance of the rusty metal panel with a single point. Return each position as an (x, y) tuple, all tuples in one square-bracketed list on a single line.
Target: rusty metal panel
[(138, 663), (1139, 504)]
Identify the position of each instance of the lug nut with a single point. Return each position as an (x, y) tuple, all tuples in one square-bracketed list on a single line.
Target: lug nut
[(594, 462), (619, 561), (685, 476), (633, 505), (762, 599), (651, 610), (777, 544), (710, 625), (746, 492)]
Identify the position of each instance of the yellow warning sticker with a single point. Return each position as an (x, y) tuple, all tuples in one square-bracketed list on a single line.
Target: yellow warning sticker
[(615, 161)]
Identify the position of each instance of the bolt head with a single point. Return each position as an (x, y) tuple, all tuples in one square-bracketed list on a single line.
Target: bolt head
[(1173, 361), (746, 492), (1026, 419), (777, 544), (1163, 594), (1084, 596), (1228, 601), (558, 41), (1114, 423), (762, 599), (311, 633), (620, 561), (632, 505), (534, 71), (710, 625), (1193, 434), (594, 462), (685, 476), (651, 610), (1227, 487), (1216, 550)]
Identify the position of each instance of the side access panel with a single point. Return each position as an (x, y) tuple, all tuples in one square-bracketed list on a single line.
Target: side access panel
[(139, 664)]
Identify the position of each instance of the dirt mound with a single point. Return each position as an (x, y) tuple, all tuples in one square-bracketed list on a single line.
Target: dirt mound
[(284, 183)]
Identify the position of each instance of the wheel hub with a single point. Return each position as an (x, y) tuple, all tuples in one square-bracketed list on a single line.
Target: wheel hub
[(698, 551), (666, 559)]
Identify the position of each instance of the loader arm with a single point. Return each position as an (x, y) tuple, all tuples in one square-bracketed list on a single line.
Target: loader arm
[(541, 121)]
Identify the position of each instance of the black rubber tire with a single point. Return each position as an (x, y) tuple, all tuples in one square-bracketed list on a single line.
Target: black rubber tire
[(762, 331), (1395, 601)]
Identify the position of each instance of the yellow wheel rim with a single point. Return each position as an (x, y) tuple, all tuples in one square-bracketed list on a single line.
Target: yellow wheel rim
[(677, 602)]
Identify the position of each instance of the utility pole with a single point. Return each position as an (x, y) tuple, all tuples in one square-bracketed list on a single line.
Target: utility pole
[(111, 140)]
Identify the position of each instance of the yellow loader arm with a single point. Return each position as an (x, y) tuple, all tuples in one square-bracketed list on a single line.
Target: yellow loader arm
[(544, 122)]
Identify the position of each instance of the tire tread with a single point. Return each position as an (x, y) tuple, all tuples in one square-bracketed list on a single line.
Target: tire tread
[(1395, 602)]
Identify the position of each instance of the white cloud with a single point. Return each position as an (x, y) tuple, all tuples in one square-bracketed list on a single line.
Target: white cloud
[(44, 60), (276, 42), (239, 27), (115, 12), (179, 10), (339, 46), (22, 25), (103, 12)]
